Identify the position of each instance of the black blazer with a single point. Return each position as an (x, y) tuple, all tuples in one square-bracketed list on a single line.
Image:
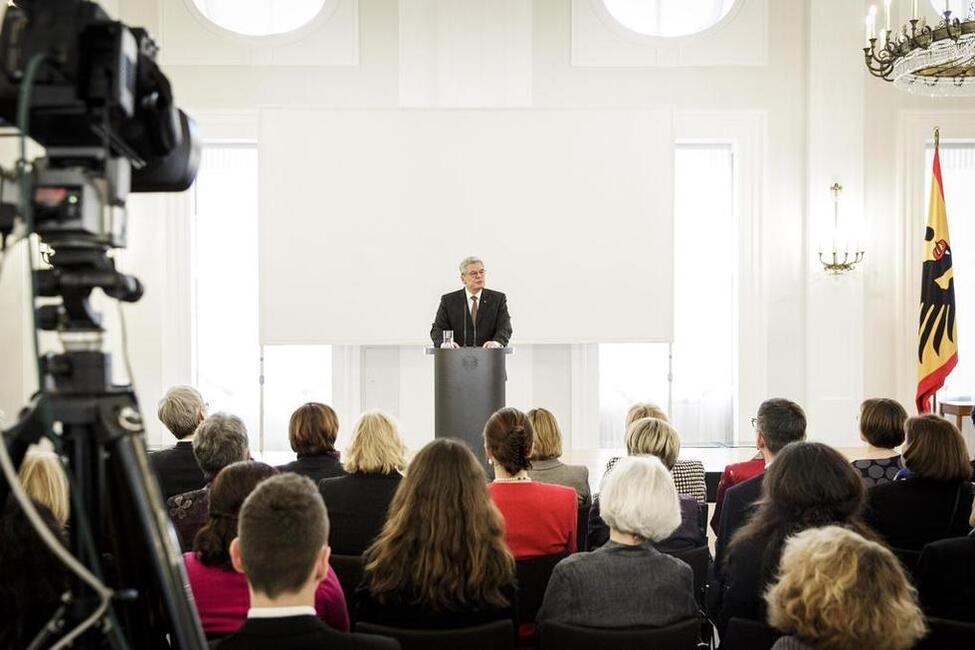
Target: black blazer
[(299, 633), (177, 469), (946, 579), (916, 511), (357, 505), (493, 322), (739, 502), (315, 467)]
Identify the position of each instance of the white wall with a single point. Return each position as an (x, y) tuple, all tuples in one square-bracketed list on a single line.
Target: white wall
[(826, 343)]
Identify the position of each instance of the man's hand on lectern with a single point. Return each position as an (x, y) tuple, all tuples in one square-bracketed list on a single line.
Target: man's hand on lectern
[(492, 344), (452, 344)]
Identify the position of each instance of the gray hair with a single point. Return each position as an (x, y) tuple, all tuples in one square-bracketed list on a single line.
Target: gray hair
[(220, 440), (180, 410), (639, 497), (467, 261), (781, 421)]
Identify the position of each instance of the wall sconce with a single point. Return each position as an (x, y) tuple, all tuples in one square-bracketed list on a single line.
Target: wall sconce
[(837, 261)]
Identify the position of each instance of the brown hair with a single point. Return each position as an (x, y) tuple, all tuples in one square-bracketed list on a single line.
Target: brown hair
[(809, 485), (839, 590), (548, 437), (283, 528), (935, 449), (642, 410), (509, 436), (227, 493), (882, 422), (313, 429), (443, 544), (654, 437)]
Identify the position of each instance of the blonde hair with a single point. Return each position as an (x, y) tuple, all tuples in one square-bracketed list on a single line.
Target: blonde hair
[(839, 590), (642, 410), (376, 446), (181, 410), (45, 481), (639, 497), (654, 437), (548, 436)]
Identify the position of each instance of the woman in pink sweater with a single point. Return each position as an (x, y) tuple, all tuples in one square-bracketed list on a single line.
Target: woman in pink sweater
[(221, 594)]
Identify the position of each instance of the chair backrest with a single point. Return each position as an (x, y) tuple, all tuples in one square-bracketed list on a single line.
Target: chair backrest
[(582, 527), (909, 559), (947, 635), (679, 636), (349, 569), (533, 576), (499, 635), (699, 559), (745, 634)]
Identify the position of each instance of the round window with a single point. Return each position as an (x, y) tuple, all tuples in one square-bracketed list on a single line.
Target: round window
[(260, 17), (668, 17)]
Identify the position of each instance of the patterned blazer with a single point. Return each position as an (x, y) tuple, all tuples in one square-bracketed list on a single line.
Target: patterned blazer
[(688, 477)]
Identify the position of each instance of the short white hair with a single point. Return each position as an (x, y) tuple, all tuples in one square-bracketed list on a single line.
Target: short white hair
[(638, 497), (467, 261), (180, 410)]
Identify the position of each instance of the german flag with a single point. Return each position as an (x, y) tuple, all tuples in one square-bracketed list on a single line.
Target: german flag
[(937, 349)]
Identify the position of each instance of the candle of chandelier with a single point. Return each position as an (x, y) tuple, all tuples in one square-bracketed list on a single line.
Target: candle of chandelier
[(914, 9), (886, 15)]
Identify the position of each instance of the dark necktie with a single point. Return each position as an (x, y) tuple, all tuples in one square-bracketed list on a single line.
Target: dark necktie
[(474, 309)]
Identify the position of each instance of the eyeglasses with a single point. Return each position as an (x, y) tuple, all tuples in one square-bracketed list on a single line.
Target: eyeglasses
[(476, 274)]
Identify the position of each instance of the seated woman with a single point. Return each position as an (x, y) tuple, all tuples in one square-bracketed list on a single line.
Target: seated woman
[(540, 519), (221, 594), (45, 481), (312, 432), (935, 499), (838, 590), (639, 502), (546, 466), (688, 474), (357, 503), (653, 437), (440, 560), (809, 485), (945, 577), (882, 428)]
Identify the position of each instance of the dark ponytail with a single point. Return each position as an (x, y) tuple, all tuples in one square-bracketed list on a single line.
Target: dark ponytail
[(508, 435)]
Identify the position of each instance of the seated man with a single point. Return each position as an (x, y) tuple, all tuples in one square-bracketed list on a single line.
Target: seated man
[(181, 409), (283, 550)]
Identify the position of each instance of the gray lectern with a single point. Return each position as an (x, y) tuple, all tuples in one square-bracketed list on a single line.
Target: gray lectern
[(468, 388)]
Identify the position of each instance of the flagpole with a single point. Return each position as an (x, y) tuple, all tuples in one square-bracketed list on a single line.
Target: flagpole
[(937, 136)]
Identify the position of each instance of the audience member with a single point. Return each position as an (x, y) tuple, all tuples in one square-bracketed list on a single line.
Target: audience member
[(540, 519), (779, 422), (220, 440), (181, 409), (688, 474), (882, 428), (33, 578), (440, 560), (546, 466), (220, 592), (357, 503), (838, 590), (282, 548), (657, 438), (935, 499), (809, 485), (732, 475), (946, 578), (44, 480), (627, 582), (312, 432)]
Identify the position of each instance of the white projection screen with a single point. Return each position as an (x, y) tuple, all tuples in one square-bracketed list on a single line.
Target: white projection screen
[(365, 214)]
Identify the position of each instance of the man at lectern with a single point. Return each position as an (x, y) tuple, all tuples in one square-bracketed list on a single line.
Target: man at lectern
[(477, 316)]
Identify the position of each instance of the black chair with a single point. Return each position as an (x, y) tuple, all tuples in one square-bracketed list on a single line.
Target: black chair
[(699, 559), (533, 575), (349, 570), (745, 634), (499, 635), (679, 636), (909, 559), (582, 528), (947, 635)]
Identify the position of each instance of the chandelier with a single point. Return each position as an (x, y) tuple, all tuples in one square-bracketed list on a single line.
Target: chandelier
[(922, 59)]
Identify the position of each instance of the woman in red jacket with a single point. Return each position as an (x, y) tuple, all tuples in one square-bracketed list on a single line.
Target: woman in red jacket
[(540, 519)]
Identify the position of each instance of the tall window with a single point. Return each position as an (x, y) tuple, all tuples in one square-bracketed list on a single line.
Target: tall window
[(958, 177), (695, 378), (235, 374)]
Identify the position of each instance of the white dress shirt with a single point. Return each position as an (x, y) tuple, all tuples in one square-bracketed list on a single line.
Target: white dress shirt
[(280, 612), (469, 303)]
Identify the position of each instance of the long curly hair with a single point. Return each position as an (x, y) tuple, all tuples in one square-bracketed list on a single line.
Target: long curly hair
[(809, 485), (442, 546), (227, 493)]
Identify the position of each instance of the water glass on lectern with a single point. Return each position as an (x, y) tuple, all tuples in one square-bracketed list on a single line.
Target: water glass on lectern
[(448, 338)]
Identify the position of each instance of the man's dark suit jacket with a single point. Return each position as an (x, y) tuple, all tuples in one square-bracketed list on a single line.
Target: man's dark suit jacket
[(299, 633), (176, 469), (946, 579), (739, 501), (493, 322)]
